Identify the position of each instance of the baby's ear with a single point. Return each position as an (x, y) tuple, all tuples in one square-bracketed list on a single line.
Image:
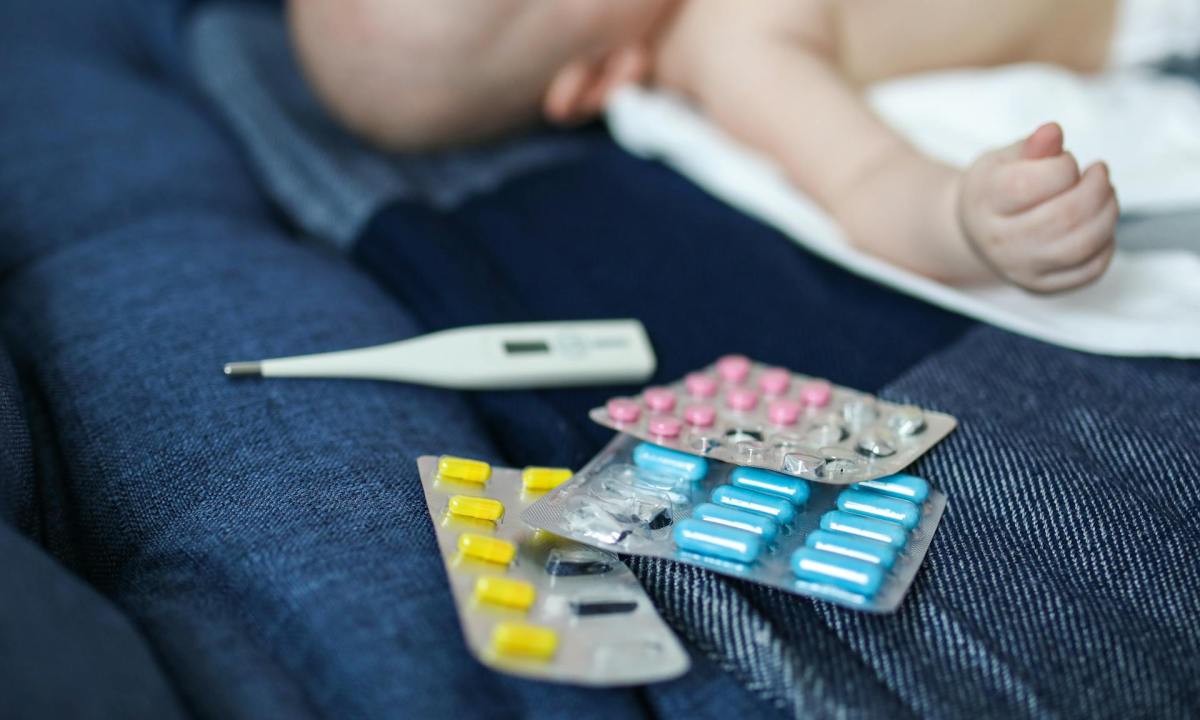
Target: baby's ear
[(579, 90)]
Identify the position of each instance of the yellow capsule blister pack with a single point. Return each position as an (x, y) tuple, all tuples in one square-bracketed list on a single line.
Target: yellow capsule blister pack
[(532, 603)]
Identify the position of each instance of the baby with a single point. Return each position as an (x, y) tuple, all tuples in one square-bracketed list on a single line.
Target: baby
[(783, 76)]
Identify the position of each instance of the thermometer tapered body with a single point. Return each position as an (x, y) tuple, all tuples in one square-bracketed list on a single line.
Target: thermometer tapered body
[(486, 357)]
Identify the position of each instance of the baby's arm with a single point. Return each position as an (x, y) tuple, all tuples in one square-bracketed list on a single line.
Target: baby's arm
[(771, 78)]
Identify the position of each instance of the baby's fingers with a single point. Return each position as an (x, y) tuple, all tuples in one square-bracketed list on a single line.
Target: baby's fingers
[(1079, 275), (1019, 186), (1081, 256), (1058, 217), (1081, 244)]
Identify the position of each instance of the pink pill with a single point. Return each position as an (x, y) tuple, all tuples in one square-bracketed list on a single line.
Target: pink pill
[(659, 399), (816, 393), (741, 399), (700, 385), (733, 368), (623, 410), (783, 412), (667, 426), (774, 381), (700, 415)]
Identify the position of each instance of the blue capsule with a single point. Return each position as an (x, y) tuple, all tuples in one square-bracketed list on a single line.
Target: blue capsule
[(908, 487), (851, 546), (721, 541), (881, 507), (880, 530), (669, 462), (855, 575), (768, 505), (772, 483), (760, 525)]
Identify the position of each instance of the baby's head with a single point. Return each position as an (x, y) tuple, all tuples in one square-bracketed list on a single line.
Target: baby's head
[(411, 74)]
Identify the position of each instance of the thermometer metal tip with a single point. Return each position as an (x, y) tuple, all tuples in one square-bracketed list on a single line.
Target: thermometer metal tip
[(234, 369)]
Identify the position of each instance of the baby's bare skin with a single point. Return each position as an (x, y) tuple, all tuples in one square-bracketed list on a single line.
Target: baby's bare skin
[(783, 76)]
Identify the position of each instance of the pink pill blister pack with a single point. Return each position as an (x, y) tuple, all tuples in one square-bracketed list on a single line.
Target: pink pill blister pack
[(747, 413)]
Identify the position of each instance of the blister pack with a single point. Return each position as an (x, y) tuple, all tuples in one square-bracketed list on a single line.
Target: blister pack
[(858, 546), (747, 413), (532, 603)]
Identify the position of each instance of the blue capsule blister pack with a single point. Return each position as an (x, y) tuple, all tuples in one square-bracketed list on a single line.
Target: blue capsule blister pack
[(855, 545)]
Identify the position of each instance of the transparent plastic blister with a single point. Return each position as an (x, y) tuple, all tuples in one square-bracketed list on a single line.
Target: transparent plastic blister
[(859, 546), (531, 602), (747, 413)]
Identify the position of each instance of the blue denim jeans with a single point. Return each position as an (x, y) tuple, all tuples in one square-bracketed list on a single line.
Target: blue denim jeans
[(269, 540)]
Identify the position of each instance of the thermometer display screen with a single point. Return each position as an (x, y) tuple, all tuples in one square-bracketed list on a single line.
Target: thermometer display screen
[(525, 347)]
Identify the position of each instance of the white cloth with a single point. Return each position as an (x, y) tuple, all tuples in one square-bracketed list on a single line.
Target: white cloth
[(1148, 31), (1148, 128)]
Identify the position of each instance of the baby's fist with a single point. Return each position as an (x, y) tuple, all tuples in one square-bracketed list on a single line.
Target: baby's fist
[(1034, 219)]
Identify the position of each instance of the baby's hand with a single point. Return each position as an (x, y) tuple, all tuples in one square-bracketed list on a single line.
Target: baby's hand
[(1034, 219)]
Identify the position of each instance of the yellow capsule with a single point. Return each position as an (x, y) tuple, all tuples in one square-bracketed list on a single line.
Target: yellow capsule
[(521, 640), (457, 523), (516, 594), (463, 469), (544, 478), (488, 549), (476, 507)]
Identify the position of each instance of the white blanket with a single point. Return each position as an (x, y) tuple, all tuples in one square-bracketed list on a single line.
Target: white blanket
[(1146, 126)]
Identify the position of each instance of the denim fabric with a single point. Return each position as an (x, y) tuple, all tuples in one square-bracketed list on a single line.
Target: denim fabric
[(1065, 581), (64, 650), (17, 502), (322, 177)]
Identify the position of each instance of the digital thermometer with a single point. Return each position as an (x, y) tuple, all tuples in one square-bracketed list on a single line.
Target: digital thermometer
[(486, 357)]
